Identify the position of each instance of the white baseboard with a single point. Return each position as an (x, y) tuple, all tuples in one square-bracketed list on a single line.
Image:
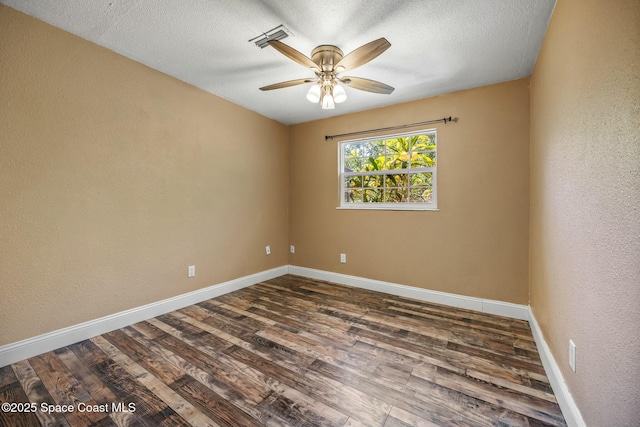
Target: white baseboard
[(515, 311), (30, 347), (568, 406)]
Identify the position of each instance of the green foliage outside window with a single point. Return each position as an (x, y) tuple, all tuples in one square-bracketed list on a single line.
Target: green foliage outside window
[(395, 170)]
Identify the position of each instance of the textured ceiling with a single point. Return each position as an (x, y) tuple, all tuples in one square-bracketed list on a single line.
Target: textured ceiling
[(437, 46)]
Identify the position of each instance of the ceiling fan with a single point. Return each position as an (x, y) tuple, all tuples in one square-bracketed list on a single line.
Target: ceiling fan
[(327, 62)]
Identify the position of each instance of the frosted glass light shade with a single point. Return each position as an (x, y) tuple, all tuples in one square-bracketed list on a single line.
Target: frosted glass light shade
[(314, 94), (327, 102), (339, 94)]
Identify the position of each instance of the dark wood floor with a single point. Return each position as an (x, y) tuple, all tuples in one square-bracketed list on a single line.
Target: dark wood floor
[(293, 352)]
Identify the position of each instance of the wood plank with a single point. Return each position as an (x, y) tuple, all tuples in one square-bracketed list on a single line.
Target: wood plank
[(38, 394), (243, 311), (297, 409), (89, 381), (176, 323), (353, 402), (515, 386), (238, 385), (526, 405), (187, 411), (347, 401), (317, 350), (523, 364), (7, 377), (472, 408), (420, 353), (451, 360), (352, 422), (302, 312), (203, 338), (240, 324), (148, 330), (401, 418), (288, 358), (393, 375), (216, 407), (144, 356), (434, 409), (233, 383), (64, 388), (152, 410), (160, 389), (292, 320), (108, 422), (408, 324), (13, 393)]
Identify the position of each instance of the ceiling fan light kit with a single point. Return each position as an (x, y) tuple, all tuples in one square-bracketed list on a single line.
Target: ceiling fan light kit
[(327, 92), (327, 62)]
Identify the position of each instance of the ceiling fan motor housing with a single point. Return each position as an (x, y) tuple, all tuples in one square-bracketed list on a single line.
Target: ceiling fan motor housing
[(326, 56)]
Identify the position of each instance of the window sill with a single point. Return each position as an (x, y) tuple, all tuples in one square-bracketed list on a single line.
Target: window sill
[(387, 208)]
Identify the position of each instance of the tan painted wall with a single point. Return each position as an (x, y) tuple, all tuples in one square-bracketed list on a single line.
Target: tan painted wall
[(585, 203), (476, 245), (115, 177)]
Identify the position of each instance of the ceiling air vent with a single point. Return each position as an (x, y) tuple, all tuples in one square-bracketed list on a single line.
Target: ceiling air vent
[(278, 33)]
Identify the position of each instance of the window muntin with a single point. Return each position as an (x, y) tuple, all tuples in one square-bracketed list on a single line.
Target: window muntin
[(389, 172)]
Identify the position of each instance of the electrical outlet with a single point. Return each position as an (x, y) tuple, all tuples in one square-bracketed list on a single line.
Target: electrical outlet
[(191, 271), (572, 355), (268, 250), (292, 249), (343, 258)]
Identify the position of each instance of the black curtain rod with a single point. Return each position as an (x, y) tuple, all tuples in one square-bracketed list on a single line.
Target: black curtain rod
[(362, 132)]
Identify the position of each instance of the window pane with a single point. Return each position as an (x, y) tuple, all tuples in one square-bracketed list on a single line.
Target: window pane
[(353, 182), (395, 195), (353, 160), (352, 157), (423, 142), (372, 181), (372, 195), (397, 145), (353, 150), (353, 196), (423, 159), (374, 148), (374, 163), (421, 179), (353, 164), (398, 161), (421, 195), (396, 180)]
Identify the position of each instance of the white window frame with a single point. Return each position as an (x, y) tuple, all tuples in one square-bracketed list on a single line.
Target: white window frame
[(413, 206)]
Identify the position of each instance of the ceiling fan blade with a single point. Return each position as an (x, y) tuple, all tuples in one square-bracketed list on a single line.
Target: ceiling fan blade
[(293, 54), (367, 85), (287, 84), (363, 54)]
